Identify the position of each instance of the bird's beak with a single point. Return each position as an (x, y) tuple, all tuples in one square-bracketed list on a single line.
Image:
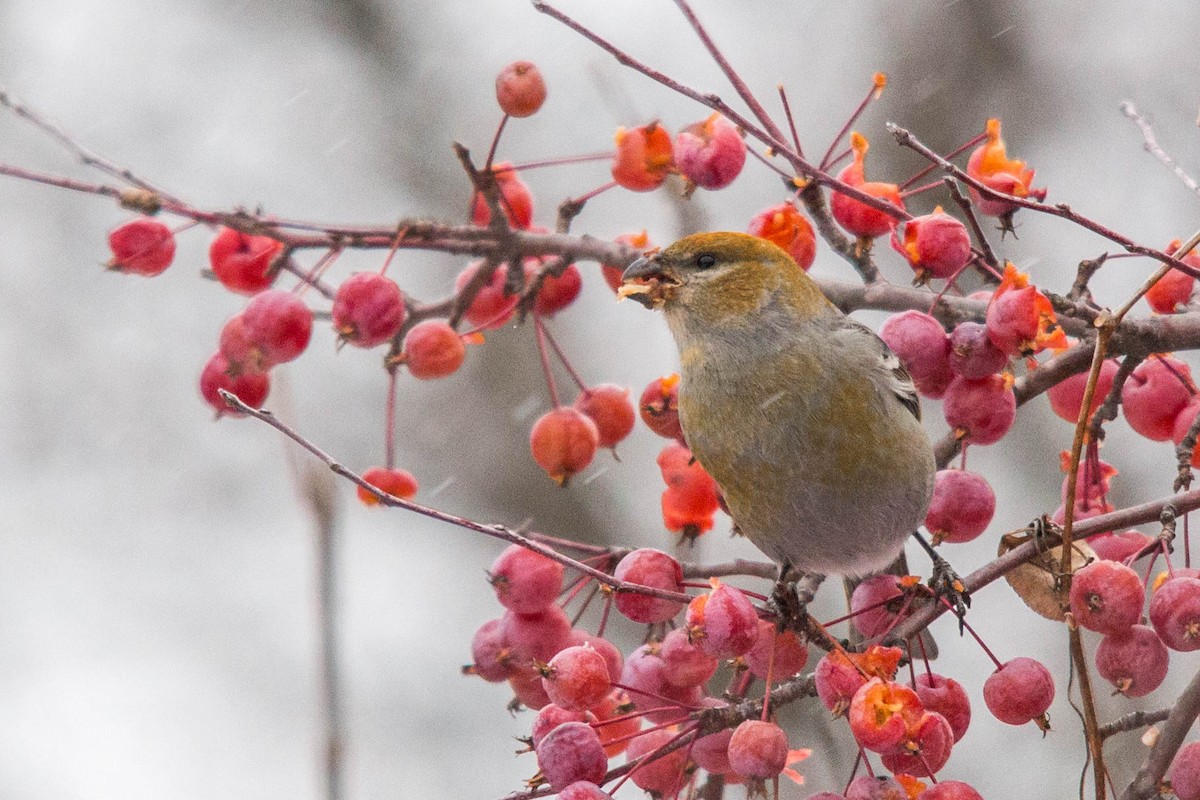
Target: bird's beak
[(648, 282)]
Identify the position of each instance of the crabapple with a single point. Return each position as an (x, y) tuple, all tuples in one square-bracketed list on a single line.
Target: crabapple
[(858, 218), (758, 749), (491, 307), (790, 653), (950, 790), (1156, 391), (653, 568), (536, 637), (710, 154), (516, 201), (610, 408), (1107, 597), (525, 581), (928, 748), (786, 227), (881, 714), (981, 410), (550, 717), (1185, 772), (947, 697), (489, 652), (962, 506), (684, 664), (922, 346), (432, 349), (872, 604), (141, 246), (935, 245), (242, 262), (368, 309), (396, 482), (249, 387), (571, 752), (665, 775), (691, 498), (576, 678), (643, 158), (1066, 396), (280, 325), (1175, 613), (563, 442), (1134, 661), (520, 89), (972, 353), (1019, 691), (723, 622), (659, 407)]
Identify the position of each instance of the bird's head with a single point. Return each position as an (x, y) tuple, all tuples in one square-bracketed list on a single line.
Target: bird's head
[(721, 276)]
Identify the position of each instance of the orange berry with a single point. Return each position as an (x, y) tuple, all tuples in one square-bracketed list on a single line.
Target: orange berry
[(520, 90), (563, 442), (786, 227), (396, 482), (644, 157)]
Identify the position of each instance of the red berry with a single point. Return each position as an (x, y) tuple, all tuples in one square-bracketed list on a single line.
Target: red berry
[(1066, 396), (609, 406), (607, 650), (710, 154), (691, 497), (1185, 772), (758, 749), (614, 735), (711, 752), (1134, 661), (1174, 289), (981, 411), (875, 603), (582, 790), (881, 714), (250, 387), (241, 262), (612, 273), (491, 307), (1183, 423), (879, 787), (563, 442), (855, 216), (142, 246), (950, 790), (432, 349), (989, 164), (1019, 691), (241, 351), (962, 506), (536, 637), (936, 245), (685, 664), (516, 201), (525, 581), (1175, 613), (927, 749), (972, 353), (786, 227), (520, 90), (489, 652), (947, 697), (526, 682), (790, 653), (557, 291), (1118, 545), (396, 482), (723, 622), (923, 348), (655, 569), (1107, 597), (644, 157), (572, 752), (659, 407), (368, 309), (1020, 319), (550, 717), (1156, 391), (280, 325), (664, 775), (576, 678)]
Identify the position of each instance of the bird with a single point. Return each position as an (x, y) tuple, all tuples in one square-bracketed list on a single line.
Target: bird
[(807, 422)]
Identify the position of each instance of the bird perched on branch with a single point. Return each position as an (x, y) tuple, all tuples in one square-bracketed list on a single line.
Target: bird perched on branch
[(805, 419)]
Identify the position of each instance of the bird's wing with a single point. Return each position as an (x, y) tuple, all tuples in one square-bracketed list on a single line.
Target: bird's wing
[(898, 381)]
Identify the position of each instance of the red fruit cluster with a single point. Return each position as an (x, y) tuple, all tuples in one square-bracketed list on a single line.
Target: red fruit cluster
[(691, 498)]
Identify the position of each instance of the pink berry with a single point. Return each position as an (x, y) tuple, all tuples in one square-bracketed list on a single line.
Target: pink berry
[(1185, 772), (525, 582), (1134, 661), (1066, 396), (758, 749), (241, 262), (1156, 391), (582, 790), (526, 682), (1119, 545), (880, 787), (538, 636), (550, 717), (928, 748), (655, 569), (922, 346), (432, 349), (576, 678), (836, 681), (396, 482), (607, 650), (250, 387), (789, 658), (1019, 691), (710, 154), (368, 309), (723, 622), (644, 675), (280, 324), (1183, 423), (685, 664), (982, 411), (711, 752), (972, 354), (557, 291), (875, 603), (141, 246), (936, 245), (610, 408), (489, 651), (563, 442), (962, 506), (1107, 597), (490, 307), (520, 89), (951, 790), (572, 752), (615, 735), (663, 775), (947, 697), (1175, 613)]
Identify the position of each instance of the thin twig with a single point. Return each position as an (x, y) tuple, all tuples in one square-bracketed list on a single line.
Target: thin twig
[(1151, 145), (1170, 737)]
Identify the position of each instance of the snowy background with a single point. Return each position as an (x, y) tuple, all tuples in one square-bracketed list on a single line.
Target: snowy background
[(156, 570)]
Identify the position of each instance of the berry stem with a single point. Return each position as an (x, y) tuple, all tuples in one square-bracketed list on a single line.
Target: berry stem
[(862, 106), (389, 444), (545, 357), (487, 165), (920, 189), (583, 198), (562, 357), (563, 161), (787, 176), (659, 697), (392, 250), (587, 601), (975, 635), (956, 151), (791, 121), (313, 276)]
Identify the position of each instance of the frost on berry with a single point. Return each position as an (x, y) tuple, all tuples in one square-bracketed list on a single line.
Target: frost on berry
[(1156, 391), (685, 664), (571, 752), (990, 165), (550, 717), (659, 406), (790, 653), (653, 568), (396, 482), (368, 309), (1020, 319), (520, 89), (612, 273), (1019, 691), (691, 498), (537, 637), (1107, 597), (432, 349), (1173, 290), (141, 246), (867, 787), (710, 154), (279, 324), (784, 226), (947, 697), (516, 201), (241, 262), (489, 652), (936, 245), (980, 411), (662, 775), (250, 387), (855, 216), (576, 678), (1175, 613), (1066, 396), (1185, 772), (922, 346), (644, 157), (644, 675), (758, 749), (610, 408), (723, 622), (972, 354), (881, 713), (563, 442), (962, 506), (525, 680), (525, 581), (927, 749), (490, 307), (875, 603), (582, 790), (1134, 661), (607, 650)]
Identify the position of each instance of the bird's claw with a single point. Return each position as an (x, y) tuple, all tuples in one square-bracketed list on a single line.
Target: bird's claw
[(948, 587)]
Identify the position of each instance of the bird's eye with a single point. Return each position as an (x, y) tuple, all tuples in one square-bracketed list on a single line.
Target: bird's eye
[(706, 261)]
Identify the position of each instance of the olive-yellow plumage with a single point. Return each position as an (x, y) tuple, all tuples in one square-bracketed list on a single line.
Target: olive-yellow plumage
[(804, 418)]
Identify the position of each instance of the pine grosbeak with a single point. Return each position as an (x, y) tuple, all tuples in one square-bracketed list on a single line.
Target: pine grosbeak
[(805, 419)]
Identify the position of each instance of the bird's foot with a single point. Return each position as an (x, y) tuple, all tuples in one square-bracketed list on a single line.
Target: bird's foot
[(791, 611), (947, 586)]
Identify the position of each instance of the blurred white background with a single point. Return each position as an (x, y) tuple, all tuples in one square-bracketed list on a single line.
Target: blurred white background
[(156, 570)]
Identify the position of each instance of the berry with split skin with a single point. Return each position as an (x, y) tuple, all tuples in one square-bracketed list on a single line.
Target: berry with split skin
[(972, 354), (242, 262), (613, 274), (609, 406), (1185, 772), (432, 349), (790, 656), (691, 498), (570, 753), (520, 89), (1107, 597), (396, 482), (655, 569), (723, 623), (1134, 661), (563, 442), (962, 506), (858, 218), (644, 157), (839, 675), (711, 153), (981, 411), (251, 388), (141, 246), (1156, 392), (524, 581), (659, 407), (947, 697), (1020, 319), (1019, 691), (576, 678), (922, 346), (516, 201), (990, 165), (881, 713), (785, 226), (927, 750), (758, 749), (368, 309), (1175, 613)]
